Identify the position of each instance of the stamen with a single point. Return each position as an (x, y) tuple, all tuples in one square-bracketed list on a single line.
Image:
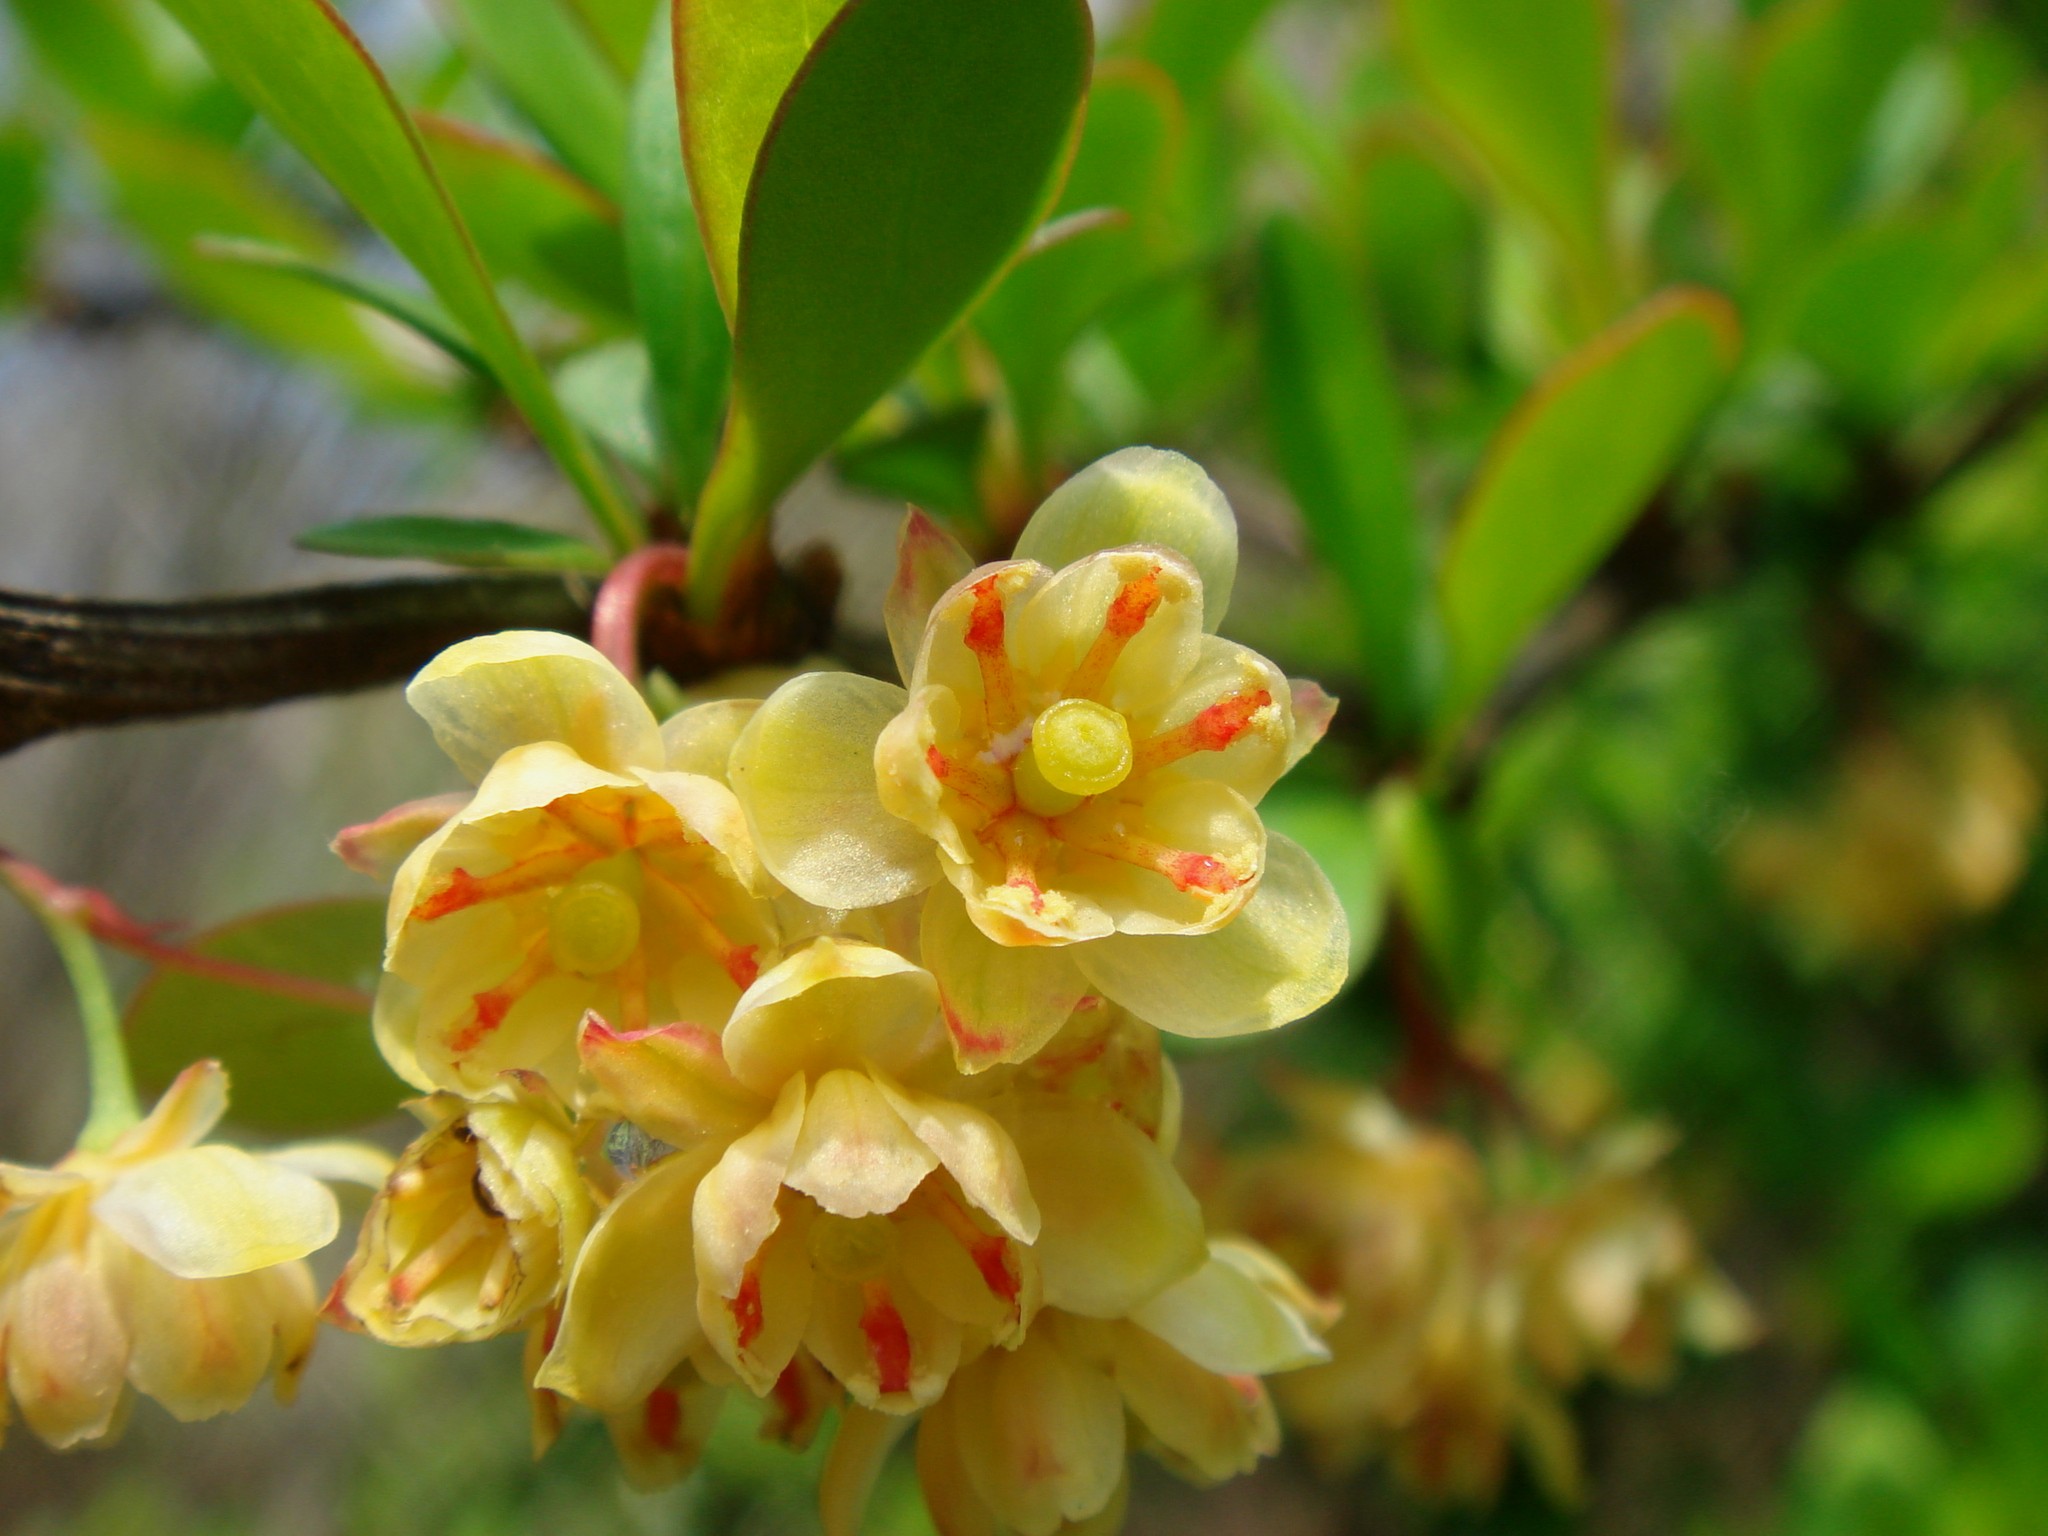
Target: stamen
[(1011, 835), (985, 638), (499, 1279), (632, 980), (490, 1008), (1210, 731), (433, 1261), (989, 1250), (1188, 871), (746, 1307), (462, 890), (741, 961), (1135, 602), (888, 1340), (985, 788), (664, 1418)]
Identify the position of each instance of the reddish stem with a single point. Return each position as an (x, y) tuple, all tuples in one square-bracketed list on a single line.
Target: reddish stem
[(615, 620), (1433, 1061)]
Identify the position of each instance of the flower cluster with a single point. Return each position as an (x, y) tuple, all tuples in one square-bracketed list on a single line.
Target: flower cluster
[(1468, 1312), (162, 1263), (809, 1046)]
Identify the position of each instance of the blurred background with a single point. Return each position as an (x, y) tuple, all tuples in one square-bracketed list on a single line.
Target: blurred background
[(1740, 847)]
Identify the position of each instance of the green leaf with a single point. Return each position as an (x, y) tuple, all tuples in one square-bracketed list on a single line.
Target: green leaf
[(301, 66), (300, 1062), (417, 312), (734, 60), (550, 66), (1341, 441), (22, 158), (1529, 87), (1568, 472), (1196, 41), (1046, 300), (912, 158), (1343, 832), (1964, 1155), (475, 542), (620, 28), (532, 220), (930, 463), (689, 349), (172, 186), (95, 50), (609, 390)]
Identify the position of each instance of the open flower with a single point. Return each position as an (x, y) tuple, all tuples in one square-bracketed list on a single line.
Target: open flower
[(1081, 759), (1033, 1439), (585, 874), (830, 1199), (477, 1225), (163, 1264)]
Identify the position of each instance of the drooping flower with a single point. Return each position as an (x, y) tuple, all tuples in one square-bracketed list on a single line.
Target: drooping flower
[(165, 1264), (1080, 758), (1034, 1439), (585, 874), (476, 1227)]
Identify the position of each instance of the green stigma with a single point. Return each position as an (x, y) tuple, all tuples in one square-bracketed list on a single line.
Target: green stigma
[(1078, 748), (852, 1250), (594, 927)]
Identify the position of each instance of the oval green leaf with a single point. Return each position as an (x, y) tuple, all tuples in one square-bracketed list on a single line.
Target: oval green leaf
[(914, 154), (1568, 472), (298, 1050)]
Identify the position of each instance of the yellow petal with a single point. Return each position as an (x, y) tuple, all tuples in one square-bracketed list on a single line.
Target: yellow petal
[(1207, 846), (660, 1440), (855, 1156), (673, 1083), (700, 739), (949, 1496), (853, 1466), (189, 1108), (1041, 1434), (890, 1348), (1141, 496), (1282, 957), (735, 1211), (201, 1347), (22, 1186), (1001, 1003), (66, 1343), (335, 1162), (975, 1149), (1232, 696), (1210, 1427), (209, 1211), (804, 769), (1241, 1314), (710, 811), (1118, 1225), (630, 1315), (486, 696), (980, 1278), (1058, 625), (377, 848), (833, 1003), (929, 560), (756, 1329)]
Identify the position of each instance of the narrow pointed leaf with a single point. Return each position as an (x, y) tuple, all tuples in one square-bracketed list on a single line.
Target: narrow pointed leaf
[(1568, 472), (912, 158), (532, 220), (734, 59), (620, 28), (551, 67), (481, 543), (1341, 441), (301, 66), (689, 350)]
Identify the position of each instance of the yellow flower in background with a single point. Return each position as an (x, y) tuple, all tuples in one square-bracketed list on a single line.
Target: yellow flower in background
[(477, 1225), (1080, 757), (1034, 1439), (585, 874), (165, 1264)]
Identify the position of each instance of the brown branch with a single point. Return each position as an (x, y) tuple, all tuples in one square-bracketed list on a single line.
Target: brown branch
[(66, 663)]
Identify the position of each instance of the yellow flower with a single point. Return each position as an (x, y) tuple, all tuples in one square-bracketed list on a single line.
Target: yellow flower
[(827, 1196), (1033, 1439), (161, 1264), (1081, 759), (586, 873), (476, 1227)]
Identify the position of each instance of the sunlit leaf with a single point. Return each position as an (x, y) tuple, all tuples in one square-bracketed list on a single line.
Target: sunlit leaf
[(552, 69), (1958, 1155), (532, 220), (1530, 87), (734, 59), (297, 1046), (689, 350), (1568, 472), (305, 71), (621, 28), (915, 153), (461, 541), (1340, 438)]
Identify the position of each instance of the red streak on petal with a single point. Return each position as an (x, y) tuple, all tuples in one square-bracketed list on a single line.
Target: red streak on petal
[(974, 1043), (888, 1340), (746, 1307), (992, 1257), (940, 765), (664, 1417)]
